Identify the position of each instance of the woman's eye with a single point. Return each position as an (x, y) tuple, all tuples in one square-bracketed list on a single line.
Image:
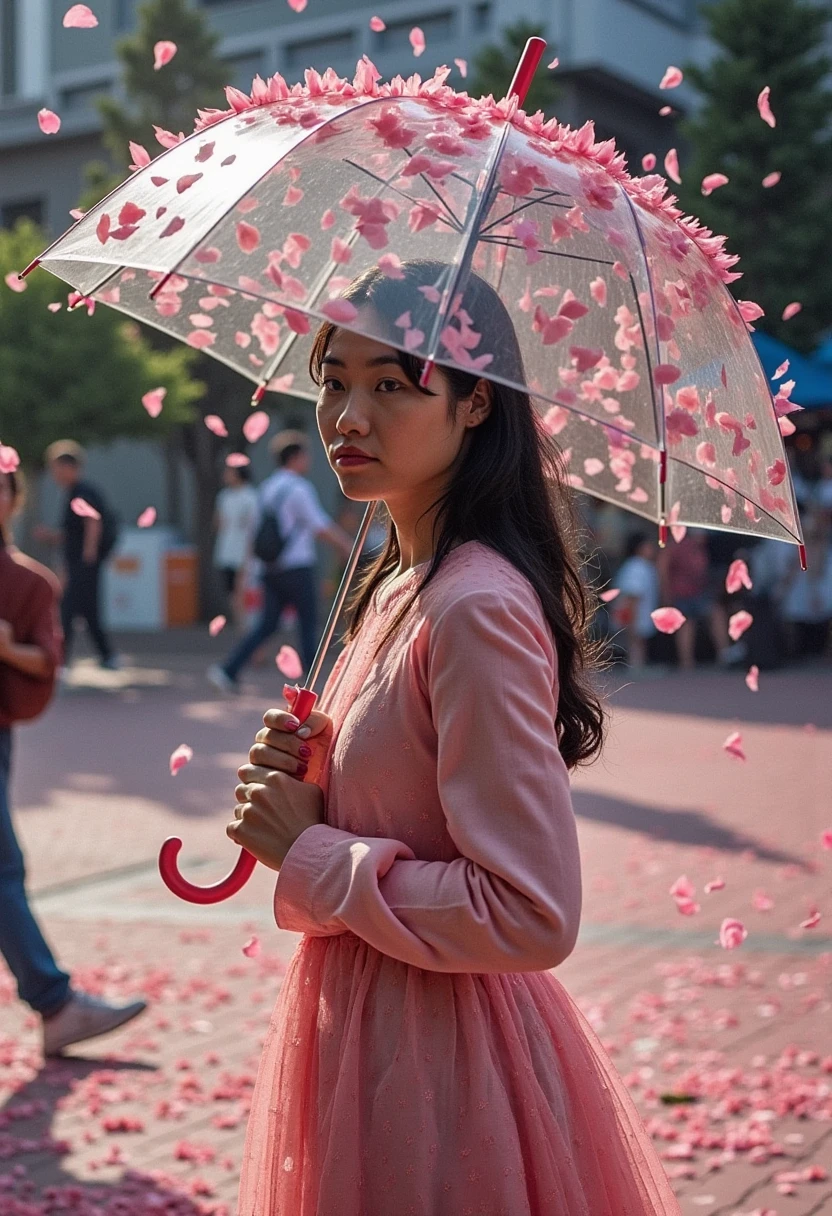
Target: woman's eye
[(330, 384), (389, 384)]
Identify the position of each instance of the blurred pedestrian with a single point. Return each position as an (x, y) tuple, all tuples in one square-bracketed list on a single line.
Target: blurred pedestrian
[(807, 594), (30, 652), (686, 584), (638, 585), (293, 502), (235, 518), (86, 542)]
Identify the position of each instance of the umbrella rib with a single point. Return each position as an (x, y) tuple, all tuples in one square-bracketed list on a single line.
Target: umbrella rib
[(435, 191), (530, 202), (453, 222), (552, 253)]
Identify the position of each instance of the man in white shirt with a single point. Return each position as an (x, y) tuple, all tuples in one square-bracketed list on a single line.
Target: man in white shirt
[(292, 578)]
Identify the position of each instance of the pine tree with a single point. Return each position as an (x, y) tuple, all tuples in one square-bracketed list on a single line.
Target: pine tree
[(783, 232), (494, 66)]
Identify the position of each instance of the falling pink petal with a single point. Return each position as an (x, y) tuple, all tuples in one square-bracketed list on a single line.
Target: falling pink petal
[(237, 460), (248, 237), (810, 921), (251, 949), (49, 122), (738, 623), (826, 839), (297, 6), (737, 577), (147, 518), (14, 283), (256, 425), (163, 52), (752, 678), (712, 182), (665, 110), (216, 425), (377, 25), (340, 311), (462, 64), (79, 17), (216, 625), (672, 78), (288, 662), (551, 66), (609, 595), (81, 507), (771, 179), (417, 41), (687, 907), (667, 620), (180, 757), (671, 166), (76, 213), (716, 884), (764, 108), (153, 400), (761, 902), (732, 933), (733, 746), (682, 888), (56, 307), (791, 310), (9, 458), (648, 162), (598, 291)]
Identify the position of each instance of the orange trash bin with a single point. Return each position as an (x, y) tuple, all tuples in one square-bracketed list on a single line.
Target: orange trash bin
[(181, 598)]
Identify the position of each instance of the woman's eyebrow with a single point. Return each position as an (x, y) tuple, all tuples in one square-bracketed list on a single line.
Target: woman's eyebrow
[(378, 361)]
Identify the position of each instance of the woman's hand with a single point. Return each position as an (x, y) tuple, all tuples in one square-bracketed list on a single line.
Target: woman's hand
[(272, 810), (280, 745)]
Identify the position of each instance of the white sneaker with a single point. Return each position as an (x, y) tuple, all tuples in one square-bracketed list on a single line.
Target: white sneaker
[(221, 680), (111, 664), (85, 1017)]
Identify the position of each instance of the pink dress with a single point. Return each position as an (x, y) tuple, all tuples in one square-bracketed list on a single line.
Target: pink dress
[(422, 1059)]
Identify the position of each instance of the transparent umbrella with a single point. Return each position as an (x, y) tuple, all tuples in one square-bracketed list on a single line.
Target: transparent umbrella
[(242, 237)]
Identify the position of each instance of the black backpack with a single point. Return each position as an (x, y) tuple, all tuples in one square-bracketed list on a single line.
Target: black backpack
[(269, 541)]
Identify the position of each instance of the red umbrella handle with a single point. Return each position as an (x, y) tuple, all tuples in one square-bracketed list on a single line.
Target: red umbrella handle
[(243, 870)]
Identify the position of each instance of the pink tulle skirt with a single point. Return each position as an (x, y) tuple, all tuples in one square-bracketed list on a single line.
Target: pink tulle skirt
[(385, 1090)]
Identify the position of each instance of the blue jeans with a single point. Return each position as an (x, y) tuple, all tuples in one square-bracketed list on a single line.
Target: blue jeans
[(40, 981), (283, 587)]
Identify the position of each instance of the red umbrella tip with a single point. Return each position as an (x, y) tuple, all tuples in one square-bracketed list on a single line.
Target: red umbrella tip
[(258, 394), (22, 274), (801, 549)]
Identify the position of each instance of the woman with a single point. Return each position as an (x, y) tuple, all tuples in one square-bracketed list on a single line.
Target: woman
[(235, 516), (422, 1058)]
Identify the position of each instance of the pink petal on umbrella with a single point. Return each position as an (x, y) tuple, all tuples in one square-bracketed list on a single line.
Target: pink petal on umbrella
[(682, 888), (282, 384), (76, 213), (81, 507), (733, 746), (216, 425), (163, 52), (173, 227), (256, 425), (147, 518), (340, 251), (248, 237), (390, 264), (185, 183), (732, 933), (738, 623), (648, 162), (292, 196), (79, 17), (298, 322), (737, 577), (712, 182), (593, 466), (251, 949), (200, 339), (791, 310), (462, 64), (585, 357), (327, 219), (786, 426), (598, 291), (413, 338), (377, 25), (771, 179), (811, 921), (340, 311), (750, 310), (671, 166), (288, 662), (668, 620), (14, 283), (764, 108), (9, 459), (609, 595), (672, 78), (666, 373), (180, 757), (752, 678), (782, 369), (417, 41), (716, 884), (49, 122), (216, 626), (237, 460)]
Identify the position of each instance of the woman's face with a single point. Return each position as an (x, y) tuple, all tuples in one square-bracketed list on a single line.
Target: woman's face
[(366, 401)]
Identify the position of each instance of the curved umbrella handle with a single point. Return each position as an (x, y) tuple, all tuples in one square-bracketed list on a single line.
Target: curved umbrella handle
[(303, 704)]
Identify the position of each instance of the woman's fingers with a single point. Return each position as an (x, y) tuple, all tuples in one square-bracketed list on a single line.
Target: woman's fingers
[(282, 720), (264, 756)]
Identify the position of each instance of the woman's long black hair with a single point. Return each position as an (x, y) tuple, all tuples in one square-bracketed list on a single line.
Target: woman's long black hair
[(508, 492)]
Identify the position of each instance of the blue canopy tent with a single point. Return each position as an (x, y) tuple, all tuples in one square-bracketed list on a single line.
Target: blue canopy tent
[(812, 374)]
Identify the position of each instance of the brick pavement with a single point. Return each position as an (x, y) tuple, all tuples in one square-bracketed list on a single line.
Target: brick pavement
[(729, 1055)]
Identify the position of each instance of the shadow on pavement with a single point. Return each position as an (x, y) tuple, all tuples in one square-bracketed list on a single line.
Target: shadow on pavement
[(679, 826)]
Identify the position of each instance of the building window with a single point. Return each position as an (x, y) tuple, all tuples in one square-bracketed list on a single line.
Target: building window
[(83, 96), (440, 27), (676, 12), (8, 48), (243, 68), (319, 52), (125, 14), (10, 213)]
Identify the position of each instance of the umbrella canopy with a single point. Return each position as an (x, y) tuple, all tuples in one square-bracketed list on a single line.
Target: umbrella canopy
[(242, 237)]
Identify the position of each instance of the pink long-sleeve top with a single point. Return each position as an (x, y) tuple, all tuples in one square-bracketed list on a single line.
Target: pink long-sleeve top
[(450, 841)]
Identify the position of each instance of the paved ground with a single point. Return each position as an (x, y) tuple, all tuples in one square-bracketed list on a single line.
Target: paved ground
[(728, 1054)]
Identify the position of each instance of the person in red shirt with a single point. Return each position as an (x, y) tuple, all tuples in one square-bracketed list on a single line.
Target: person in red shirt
[(30, 652), (686, 584)]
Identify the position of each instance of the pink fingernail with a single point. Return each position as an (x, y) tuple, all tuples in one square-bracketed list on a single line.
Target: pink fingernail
[(292, 724)]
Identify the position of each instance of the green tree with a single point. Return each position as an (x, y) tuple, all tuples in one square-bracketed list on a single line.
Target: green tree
[(783, 232), (64, 374), (494, 65)]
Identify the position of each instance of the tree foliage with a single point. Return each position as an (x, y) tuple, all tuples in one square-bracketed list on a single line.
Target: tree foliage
[(494, 65), (72, 375), (783, 232)]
